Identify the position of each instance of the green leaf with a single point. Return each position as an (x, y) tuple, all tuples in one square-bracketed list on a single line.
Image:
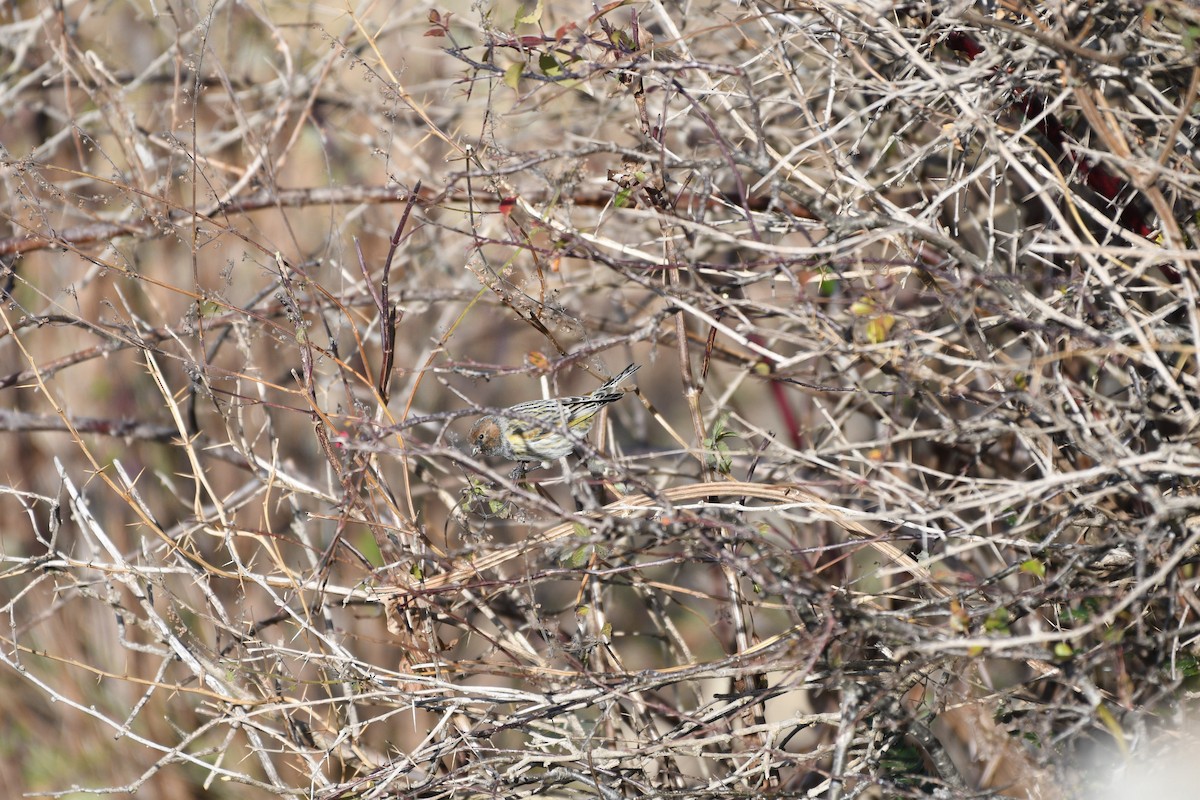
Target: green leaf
[(1035, 567), (532, 17), (550, 66), (623, 40), (862, 307), (879, 328), (718, 456), (1190, 34), (997, 621), (579, 557), (512, 77)]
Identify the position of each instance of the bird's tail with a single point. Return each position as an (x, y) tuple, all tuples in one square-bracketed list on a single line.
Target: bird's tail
[(607, 388)]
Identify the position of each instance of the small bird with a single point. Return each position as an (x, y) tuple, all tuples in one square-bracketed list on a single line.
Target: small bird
[(538, 430)]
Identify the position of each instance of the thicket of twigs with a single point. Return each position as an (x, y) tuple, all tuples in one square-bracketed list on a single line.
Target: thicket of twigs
[(904, 501)]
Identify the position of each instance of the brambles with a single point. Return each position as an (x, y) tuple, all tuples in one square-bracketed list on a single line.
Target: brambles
[(907, 497)]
